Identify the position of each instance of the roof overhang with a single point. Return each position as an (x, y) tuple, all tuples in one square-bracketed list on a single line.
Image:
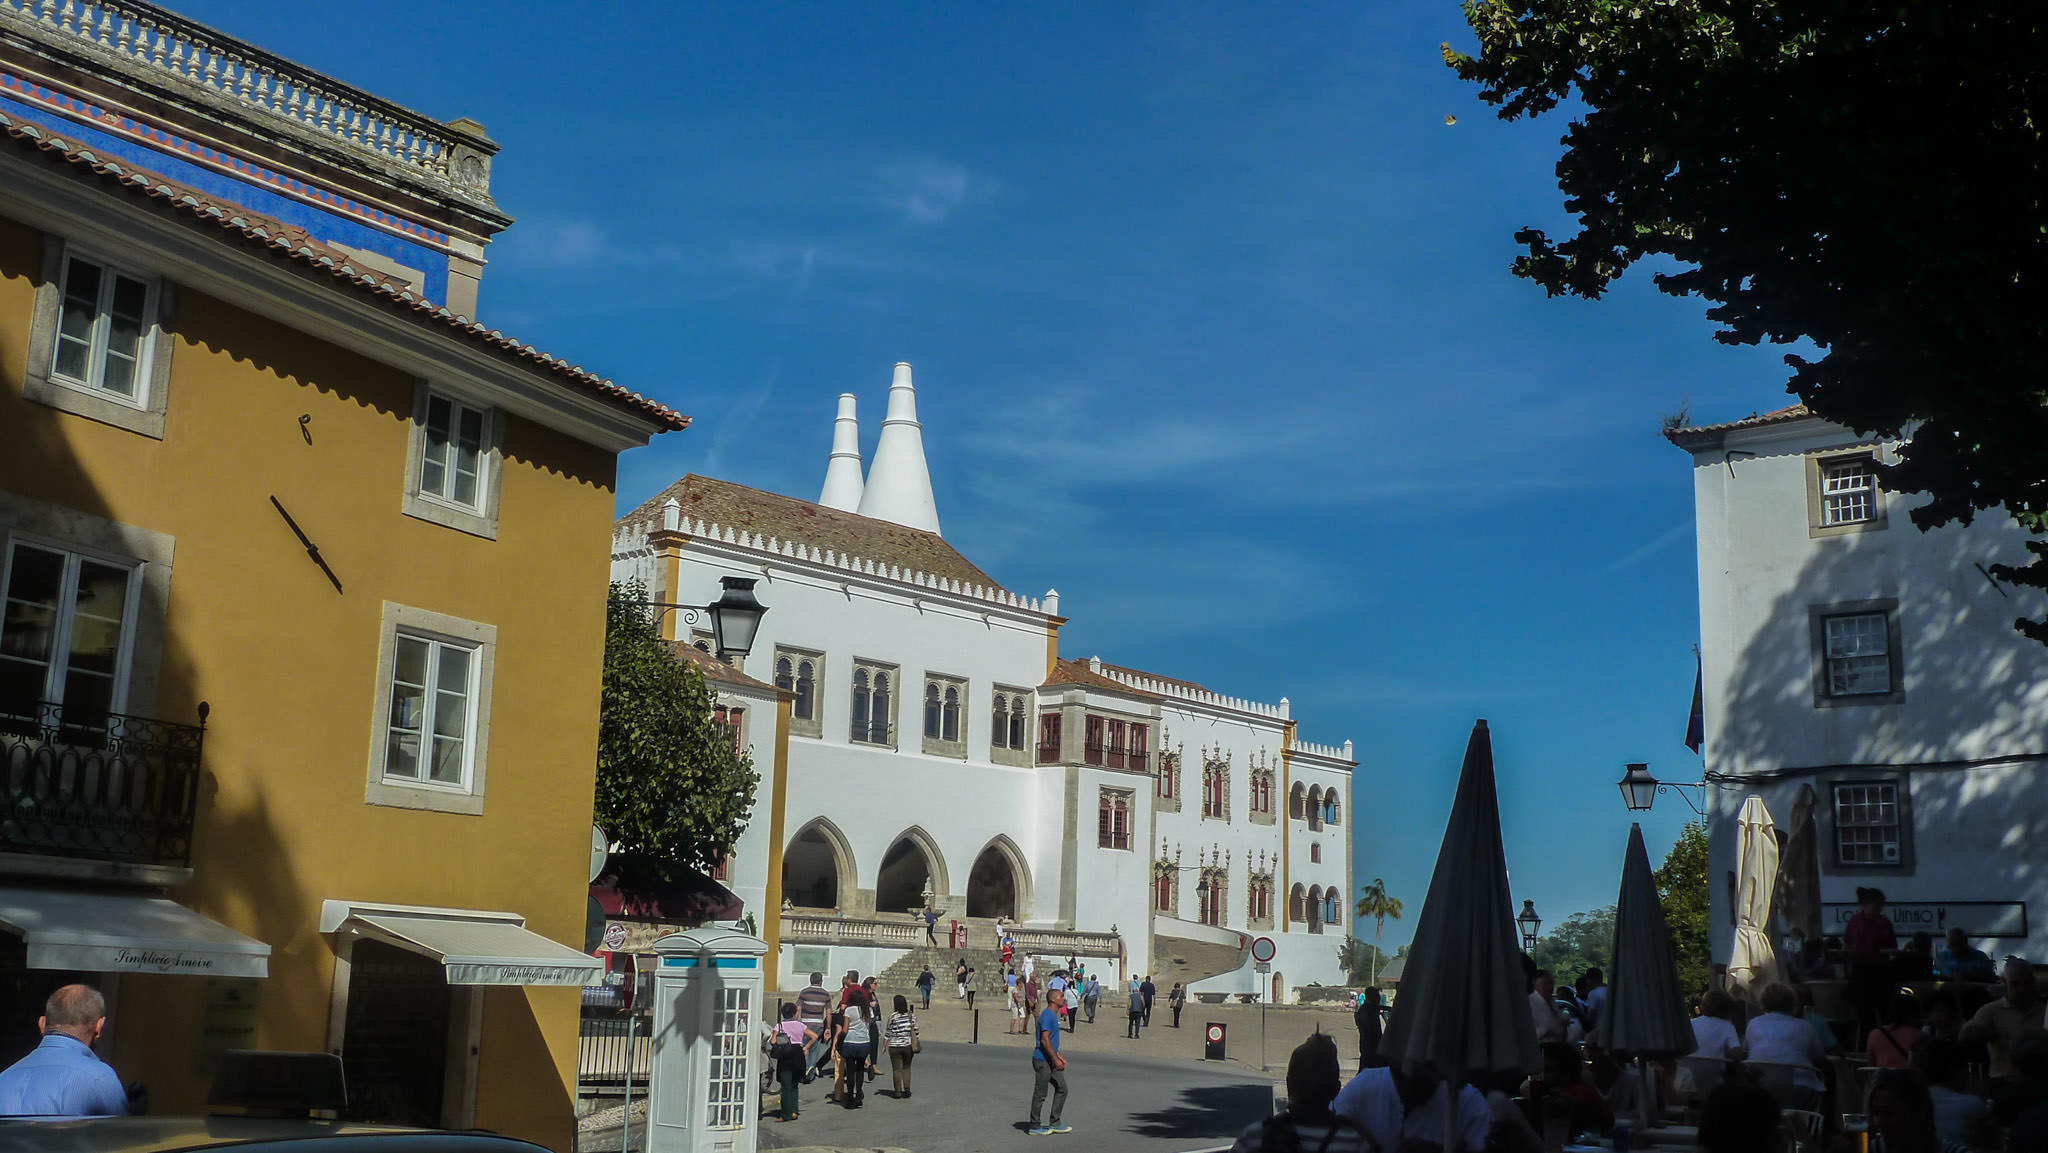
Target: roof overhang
[(100, 932), (46, 196), (476, 947)]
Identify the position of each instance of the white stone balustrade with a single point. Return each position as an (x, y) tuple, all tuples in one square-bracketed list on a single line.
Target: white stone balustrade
[(182, 51)]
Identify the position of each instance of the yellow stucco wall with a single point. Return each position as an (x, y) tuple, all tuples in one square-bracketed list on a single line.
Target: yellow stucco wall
[(289, 668)]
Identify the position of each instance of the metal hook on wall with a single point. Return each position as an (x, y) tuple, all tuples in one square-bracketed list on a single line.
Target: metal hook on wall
[(305, 429)]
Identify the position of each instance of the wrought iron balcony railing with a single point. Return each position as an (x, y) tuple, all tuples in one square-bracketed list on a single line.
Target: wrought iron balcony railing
[(107, 787)]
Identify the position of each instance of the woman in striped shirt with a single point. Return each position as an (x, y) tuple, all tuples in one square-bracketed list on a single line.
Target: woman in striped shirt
[(901, 1035)]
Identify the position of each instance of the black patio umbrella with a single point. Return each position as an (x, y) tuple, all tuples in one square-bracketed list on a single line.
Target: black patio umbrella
[(1465, 1009), (1645, 1014)]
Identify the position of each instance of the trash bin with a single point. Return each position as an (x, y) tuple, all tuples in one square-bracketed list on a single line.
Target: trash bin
[(1212, 1041)]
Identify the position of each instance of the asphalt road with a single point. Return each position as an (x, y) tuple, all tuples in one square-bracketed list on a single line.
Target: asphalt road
[(977, 1099)]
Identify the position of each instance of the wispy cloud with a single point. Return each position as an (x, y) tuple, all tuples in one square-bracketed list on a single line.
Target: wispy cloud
[(1657, 544), (926, 190)]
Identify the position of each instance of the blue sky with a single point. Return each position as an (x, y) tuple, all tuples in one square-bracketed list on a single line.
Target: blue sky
[(1212, 329)]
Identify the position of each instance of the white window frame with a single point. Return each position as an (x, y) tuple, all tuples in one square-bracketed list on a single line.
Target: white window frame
[(1891, 849), (1830, 655), (1820, 520), (1836, 493), (54, 674), (481, 518), (142, 413), (407, 793)]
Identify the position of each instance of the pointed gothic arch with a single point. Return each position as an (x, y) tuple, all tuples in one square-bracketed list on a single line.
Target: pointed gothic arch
[(912, 860), (999, 883), (817, 867)]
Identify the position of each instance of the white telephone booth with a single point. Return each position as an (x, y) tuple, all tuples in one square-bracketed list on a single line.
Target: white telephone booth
[(704, 1093)]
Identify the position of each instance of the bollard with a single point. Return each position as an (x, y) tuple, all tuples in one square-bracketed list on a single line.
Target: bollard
[(626, 1115), (977, 1028)]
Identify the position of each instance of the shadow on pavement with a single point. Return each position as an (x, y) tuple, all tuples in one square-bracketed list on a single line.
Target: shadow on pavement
[(1207, 1111)]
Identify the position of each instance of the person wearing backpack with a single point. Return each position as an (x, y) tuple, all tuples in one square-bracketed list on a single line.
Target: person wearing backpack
[(904, 1043), (787, 1050)]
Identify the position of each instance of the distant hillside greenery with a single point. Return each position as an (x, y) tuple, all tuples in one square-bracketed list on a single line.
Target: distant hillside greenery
[(1587, 939)]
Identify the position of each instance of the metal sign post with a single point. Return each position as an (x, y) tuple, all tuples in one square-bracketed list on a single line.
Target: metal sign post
[(1262, 968)]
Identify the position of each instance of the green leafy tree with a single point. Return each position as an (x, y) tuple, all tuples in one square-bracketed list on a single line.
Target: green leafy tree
[(1682, 890), (672, 793), (1373, 902), (1363, 960), (1584, 941), (1864, 177)]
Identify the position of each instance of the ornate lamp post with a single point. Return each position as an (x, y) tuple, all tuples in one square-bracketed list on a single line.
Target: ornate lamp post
[(1529, 922)]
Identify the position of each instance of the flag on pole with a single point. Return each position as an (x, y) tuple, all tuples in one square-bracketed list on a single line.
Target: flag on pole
[(1696, 724)]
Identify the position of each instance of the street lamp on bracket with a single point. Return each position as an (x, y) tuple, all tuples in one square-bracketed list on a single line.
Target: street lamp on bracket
[(1639, 790), (735, 616), (1529, 922)]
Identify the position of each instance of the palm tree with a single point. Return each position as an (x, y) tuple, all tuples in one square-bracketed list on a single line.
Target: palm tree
[(1375, 903)]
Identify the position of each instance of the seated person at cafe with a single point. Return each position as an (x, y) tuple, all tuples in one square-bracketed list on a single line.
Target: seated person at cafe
[(1713, 1033), (1806, 958), (1940, 1016), (1898, 1032), (1960, 1118), (1780, 1037), (2002, 1026), (1901, 1115), (1961, 961), (1739, 1118), (1915, 962), (1822, 1031), (1565, 1082)]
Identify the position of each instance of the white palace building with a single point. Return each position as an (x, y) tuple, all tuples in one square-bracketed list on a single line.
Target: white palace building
[(921, 738)]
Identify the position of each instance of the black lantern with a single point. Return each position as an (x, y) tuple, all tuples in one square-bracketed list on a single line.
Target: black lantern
[(1529, 922), (1638, 788), (735, 617)]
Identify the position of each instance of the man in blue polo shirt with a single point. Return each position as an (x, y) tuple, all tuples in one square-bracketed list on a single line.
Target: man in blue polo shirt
[(1049, 1067), (63, 1077)]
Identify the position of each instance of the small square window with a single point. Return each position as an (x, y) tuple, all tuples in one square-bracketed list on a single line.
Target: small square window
[(1858, 656), (452, 472), (1867, 824), (1848, 491), (97, 344), (432, 718)]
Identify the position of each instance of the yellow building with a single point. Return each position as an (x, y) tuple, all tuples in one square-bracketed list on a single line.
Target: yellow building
[(259, 471)]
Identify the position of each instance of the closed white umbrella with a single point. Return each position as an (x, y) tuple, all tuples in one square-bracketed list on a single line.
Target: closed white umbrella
[(1754, 961)]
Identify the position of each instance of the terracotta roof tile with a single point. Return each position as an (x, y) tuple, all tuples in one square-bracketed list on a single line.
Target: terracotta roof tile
[(737, 507), (293, 245), (1754, 420), (715, 669), (1067, 672)]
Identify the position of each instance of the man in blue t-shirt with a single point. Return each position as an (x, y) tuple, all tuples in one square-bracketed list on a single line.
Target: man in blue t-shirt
[(1049, 1067)]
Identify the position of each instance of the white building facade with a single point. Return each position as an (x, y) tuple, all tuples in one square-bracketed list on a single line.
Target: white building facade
[(938, 748), (1869, 670)]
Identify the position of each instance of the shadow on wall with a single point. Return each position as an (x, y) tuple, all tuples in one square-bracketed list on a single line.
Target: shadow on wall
[(1971, 690)]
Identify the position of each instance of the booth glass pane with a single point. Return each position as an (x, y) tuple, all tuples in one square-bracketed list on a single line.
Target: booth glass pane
[(731, 1027)]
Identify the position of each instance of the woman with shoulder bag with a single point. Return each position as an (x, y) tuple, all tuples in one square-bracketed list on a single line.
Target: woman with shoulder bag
[(792, 1039), (904, 1044)]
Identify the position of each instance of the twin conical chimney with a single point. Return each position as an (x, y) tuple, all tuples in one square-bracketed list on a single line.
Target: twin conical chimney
[(899, 486), (842, 472)]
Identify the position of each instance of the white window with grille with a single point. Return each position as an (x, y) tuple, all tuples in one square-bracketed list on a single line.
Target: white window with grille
[(1848, 491), (1859, 658), (731, 1029), (1867, 825)]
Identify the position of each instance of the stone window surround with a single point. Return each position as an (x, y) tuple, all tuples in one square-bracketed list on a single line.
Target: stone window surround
[(1253, 813), (1815, 506), (483, 638), (1221, 767), (481, 521), (144, 419), (1824, 817), (1106, 800), (895, 675), (1817, 616), (1012, 697), (938, 746), (1168, 769), (150, 551), (814, 725)]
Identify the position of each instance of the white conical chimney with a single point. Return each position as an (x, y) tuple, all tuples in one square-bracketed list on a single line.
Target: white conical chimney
[(899, 485), (842, 472)]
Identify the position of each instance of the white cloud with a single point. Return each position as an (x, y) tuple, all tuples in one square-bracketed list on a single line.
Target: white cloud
[(926, 190)]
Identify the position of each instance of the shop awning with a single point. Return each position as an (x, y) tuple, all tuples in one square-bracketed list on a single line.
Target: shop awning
[(126, 933), (476, 947)]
